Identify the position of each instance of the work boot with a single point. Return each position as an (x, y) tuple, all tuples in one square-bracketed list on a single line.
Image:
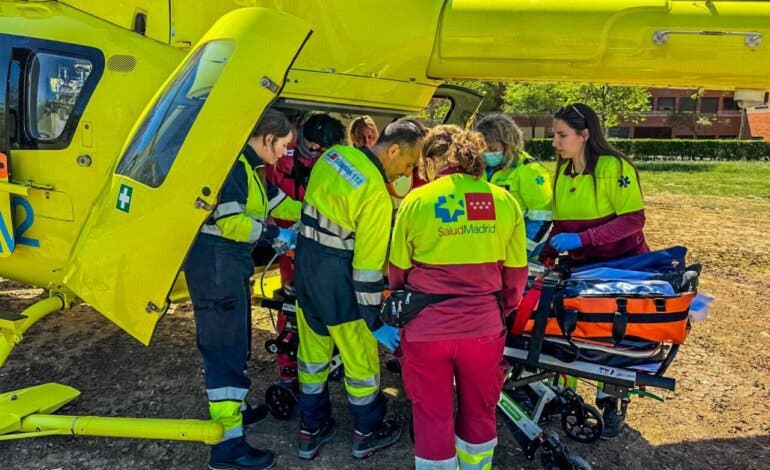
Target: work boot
[(614, 417), (365, 445), (253, 415), (255, 459), (310, 442), (520, 396), (392, 365)]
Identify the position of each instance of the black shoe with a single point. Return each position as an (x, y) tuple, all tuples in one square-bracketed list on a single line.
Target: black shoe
[(614, 417), (520, 396), (365, 445), (253, 415), (310, 442), (255, 459), (392, 365)]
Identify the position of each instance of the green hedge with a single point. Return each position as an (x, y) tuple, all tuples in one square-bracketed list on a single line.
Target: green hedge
[(671, 149)]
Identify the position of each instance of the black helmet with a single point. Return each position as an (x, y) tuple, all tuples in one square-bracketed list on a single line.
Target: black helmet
[(322, 129)]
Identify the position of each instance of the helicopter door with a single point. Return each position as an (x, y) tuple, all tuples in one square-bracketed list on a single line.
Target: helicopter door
[(7, 242), (174, 163), (7, 237)]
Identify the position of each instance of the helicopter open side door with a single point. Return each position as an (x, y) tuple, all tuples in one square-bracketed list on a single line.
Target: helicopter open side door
[(7, 189), (173, 165)]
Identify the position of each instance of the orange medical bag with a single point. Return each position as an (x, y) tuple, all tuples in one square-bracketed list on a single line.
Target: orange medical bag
[(658, 318)]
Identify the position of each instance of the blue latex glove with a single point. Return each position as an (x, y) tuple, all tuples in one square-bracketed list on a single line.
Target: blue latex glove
[(285, 241), (566, 242), (388, 336), (532, 227)]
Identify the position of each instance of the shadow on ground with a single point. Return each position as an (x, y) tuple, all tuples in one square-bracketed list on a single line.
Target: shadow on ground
[(117, 376)]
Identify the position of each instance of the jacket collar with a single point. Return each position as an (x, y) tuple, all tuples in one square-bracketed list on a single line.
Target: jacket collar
[(251, 156), (375, 161)]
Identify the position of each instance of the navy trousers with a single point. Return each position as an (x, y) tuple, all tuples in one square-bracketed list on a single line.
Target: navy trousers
[(218, 272)]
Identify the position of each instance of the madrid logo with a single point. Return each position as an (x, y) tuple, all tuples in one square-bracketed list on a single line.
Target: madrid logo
[(449, 208), (479, 206)]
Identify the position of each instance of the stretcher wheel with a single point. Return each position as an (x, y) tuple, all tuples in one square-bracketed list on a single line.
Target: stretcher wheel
[(271, 346), (281, 400), (584, 425)]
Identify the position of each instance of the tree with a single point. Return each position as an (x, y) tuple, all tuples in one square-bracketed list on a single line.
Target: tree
[(534, 100), (612, 104), (693, 120)]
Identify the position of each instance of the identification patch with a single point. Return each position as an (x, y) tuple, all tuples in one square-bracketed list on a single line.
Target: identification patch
[(342, 166)]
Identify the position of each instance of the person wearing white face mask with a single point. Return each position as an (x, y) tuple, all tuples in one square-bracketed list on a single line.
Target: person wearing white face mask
[(510, 167)]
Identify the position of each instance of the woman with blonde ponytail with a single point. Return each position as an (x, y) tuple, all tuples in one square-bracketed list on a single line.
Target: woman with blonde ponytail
[(510, 167)]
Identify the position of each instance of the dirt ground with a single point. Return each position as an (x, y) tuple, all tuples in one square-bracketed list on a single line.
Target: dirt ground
[(718, 417)]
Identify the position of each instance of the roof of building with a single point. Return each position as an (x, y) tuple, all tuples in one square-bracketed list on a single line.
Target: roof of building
[(759, 122)]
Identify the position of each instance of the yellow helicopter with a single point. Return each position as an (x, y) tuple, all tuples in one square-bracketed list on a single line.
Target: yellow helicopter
[(119, 121)]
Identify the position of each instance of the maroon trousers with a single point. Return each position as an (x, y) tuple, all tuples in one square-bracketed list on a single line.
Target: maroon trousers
[(432, 370)]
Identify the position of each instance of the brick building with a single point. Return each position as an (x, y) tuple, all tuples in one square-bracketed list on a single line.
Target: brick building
[(717, 106)]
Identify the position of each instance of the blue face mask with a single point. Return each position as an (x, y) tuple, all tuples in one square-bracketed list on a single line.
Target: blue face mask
[(493, 159)]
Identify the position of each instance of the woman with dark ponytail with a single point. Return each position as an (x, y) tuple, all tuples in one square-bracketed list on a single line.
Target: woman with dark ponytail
[(598, 210), (218, 269)]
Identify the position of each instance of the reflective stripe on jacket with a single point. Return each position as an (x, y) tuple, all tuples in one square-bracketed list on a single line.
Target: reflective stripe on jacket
[(348, 209), (244, 204)]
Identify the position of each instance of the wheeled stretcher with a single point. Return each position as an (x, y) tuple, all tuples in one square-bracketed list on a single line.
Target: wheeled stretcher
[(281, 397), (565, 329)]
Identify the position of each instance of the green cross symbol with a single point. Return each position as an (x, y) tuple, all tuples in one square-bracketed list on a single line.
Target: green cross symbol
[(124, 198)]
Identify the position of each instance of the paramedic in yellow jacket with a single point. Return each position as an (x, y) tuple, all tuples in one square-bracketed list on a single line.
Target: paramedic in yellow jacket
[(510, 167), (598, 211), (218, 269), (340, 256), (461, 236)]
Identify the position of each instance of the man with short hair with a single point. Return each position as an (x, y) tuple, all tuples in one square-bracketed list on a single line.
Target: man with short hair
[(291, 174), (341, 251)]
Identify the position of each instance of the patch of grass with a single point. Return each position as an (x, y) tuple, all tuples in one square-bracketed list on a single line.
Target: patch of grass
[(742, 179)]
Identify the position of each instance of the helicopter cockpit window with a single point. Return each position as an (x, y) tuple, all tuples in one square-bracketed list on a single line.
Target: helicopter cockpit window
[(57, 81), (155, 145)]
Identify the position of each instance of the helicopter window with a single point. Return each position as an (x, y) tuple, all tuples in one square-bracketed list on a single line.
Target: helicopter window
[(57, 82), (155, 145), (436, 112)]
